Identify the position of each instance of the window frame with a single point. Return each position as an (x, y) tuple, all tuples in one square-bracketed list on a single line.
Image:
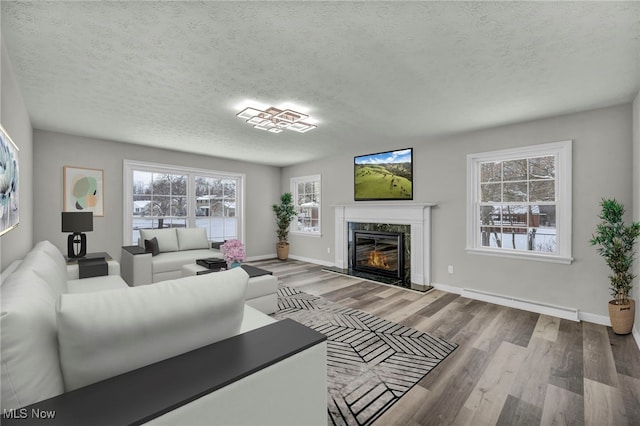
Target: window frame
[(562, 151), (294, 181), (129, 166)]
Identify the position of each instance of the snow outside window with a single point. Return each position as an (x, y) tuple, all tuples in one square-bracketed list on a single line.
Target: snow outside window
[(160, 196), (519, 202), (306, 199)]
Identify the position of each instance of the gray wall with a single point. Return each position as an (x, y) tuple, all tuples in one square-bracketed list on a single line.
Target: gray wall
[(15, 120), (52, 151), (636, 204), (602, 166)]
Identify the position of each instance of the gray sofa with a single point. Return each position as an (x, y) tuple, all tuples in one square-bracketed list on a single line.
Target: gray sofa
[(185, 351)]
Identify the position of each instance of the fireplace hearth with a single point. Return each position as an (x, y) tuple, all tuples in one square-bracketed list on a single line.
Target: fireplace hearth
[(380, 253)]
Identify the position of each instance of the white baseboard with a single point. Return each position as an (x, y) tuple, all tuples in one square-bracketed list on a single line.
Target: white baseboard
[(532, 306), (526, 305), (447, 288), (636, 335), (291, 256), (316, 261), (261, 257), (596, 319)]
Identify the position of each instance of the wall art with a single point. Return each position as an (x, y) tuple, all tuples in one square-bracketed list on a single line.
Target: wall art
[(9, 174), (83, 190)]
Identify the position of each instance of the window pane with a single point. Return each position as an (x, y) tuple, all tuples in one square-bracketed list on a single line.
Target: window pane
[(542, 190), (515, 216), (489, 215), (491, 192), (141, 205), (490, 237), (515, 170), (543, 235), (542, 168), (178, 206), (547, 216), (203, 186), (141, 182), (178, 185), (229, 187), (491, 172), (161, 184), (515, 191), (514, 238), (229, 206)]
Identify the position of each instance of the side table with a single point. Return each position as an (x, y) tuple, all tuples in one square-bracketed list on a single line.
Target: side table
[(92, 265)]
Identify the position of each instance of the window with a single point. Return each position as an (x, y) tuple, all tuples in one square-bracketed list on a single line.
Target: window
[(163, 196), (519, 202), (306, 199)]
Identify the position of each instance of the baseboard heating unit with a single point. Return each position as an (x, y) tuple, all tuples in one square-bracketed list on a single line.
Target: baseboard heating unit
[(526, 305)]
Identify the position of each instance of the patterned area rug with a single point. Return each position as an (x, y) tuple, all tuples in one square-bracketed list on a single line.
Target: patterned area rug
[(372, 362)]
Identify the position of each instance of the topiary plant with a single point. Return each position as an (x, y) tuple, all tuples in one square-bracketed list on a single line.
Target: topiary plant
[(616, 245), (284, 215)]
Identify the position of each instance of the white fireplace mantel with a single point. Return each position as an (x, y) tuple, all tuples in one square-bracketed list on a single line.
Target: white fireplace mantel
[(417, 215)]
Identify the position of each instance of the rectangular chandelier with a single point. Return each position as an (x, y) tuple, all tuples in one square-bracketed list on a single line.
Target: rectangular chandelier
[(275, 120)]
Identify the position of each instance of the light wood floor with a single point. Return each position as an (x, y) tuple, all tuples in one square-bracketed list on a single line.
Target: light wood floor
[(512, 367)]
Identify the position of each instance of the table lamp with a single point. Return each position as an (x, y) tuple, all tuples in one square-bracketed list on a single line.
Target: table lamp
[(77, 223)]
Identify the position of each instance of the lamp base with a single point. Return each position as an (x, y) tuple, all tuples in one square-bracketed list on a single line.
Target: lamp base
[(76, 245)]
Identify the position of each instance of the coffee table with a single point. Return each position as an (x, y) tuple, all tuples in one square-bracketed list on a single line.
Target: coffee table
[(262, 291), (195, 269)]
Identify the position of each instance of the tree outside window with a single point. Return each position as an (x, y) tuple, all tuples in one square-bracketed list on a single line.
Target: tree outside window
[(520, 202), (306, 192)]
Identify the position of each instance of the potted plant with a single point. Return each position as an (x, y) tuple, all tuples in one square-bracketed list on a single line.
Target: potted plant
[(615, 242), (284, 215)]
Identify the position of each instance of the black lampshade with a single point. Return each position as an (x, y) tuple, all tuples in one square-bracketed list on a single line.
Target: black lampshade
[(77, 222)]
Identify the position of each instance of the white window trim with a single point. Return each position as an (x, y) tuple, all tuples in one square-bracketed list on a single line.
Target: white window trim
[(294, 181), (130, 165), (563, 153)]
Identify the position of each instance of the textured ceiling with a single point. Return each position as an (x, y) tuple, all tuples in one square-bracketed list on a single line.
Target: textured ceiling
[(375, 75)]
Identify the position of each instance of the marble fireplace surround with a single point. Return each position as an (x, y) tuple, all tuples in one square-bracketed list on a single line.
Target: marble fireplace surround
[(417, 215)]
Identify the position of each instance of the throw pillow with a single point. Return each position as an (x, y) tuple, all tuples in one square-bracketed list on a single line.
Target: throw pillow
[(167, 238), (151, 246)]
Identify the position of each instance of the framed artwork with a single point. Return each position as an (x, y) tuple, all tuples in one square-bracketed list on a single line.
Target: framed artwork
[(9, 174), (83, 190)]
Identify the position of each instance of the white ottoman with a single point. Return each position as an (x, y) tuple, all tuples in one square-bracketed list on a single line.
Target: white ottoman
[(262, 291)]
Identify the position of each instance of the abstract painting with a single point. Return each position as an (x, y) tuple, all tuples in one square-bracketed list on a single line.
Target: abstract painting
[(83, 190), (9, 213)]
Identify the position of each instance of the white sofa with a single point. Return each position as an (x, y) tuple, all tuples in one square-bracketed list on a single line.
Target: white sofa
[(176, 247), (185, 351)]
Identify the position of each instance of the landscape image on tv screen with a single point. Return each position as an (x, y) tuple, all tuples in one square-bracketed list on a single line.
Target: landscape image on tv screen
[(384, 176)]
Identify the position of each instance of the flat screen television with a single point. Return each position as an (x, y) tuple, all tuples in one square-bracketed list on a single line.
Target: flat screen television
[(384, 176)]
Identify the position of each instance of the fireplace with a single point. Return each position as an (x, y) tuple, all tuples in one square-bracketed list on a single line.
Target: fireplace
[(379, 253), (417, 218)]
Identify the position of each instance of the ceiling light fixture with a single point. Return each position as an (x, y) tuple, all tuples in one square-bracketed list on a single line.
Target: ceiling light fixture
[(275, 120)]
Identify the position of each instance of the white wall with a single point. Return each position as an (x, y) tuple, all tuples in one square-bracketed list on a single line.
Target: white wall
[(602, 167), (52, 151), (15, 120)]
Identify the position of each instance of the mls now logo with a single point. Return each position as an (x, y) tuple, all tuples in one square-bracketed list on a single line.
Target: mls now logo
[(23, 413)]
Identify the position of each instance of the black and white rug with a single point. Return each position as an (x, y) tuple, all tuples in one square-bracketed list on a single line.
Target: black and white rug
[(371, 362)]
